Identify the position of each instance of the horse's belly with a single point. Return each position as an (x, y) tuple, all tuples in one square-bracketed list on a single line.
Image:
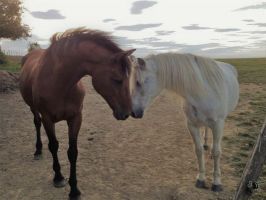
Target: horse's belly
[(59, 109)]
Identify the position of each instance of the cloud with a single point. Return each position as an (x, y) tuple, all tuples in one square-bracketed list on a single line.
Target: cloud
[(139, 6), (195, 27), (260, 43), (258, 24), (258, 32), (254, 32), (257, 6), (150, 39), (165, 45), (226, 29), (254, 37), (49, 14), (235, 41), (108, 20), (137, 27), (124, 41), (164, 32), (248, 20), (199, 47)]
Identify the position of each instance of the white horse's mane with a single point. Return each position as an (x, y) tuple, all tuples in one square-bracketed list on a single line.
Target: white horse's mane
[(186, 73)]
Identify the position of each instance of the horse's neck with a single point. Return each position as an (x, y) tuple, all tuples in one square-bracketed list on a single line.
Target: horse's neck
[(166, 79)]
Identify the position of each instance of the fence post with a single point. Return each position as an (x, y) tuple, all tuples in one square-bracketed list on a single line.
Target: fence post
[(253, 167)]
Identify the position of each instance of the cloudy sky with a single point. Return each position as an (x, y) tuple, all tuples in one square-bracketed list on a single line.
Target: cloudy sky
[(215, 28)]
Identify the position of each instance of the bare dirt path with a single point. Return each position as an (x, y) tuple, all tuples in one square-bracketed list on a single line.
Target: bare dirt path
[(148, 159)]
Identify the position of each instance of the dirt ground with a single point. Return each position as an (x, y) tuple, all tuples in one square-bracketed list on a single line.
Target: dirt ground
[(148, 159)]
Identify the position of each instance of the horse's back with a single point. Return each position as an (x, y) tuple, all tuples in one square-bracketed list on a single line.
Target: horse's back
[(28, 72)]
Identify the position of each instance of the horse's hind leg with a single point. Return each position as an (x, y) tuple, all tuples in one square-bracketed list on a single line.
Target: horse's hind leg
[(195, 133), (217, 130), (38, 123), (59, 180)]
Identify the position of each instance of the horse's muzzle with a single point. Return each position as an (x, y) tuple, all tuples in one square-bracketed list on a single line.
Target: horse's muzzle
[(120, 115), (137, 113)]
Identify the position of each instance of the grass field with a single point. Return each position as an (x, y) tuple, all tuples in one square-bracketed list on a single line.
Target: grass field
[(251, 71), (11, 66)]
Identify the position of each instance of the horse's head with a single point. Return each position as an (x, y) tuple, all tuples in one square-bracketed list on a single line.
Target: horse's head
[(144, 85), (111, 81)]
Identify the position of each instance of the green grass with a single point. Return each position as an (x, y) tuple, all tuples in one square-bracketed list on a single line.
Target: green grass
[(10, 66), (250, 70)]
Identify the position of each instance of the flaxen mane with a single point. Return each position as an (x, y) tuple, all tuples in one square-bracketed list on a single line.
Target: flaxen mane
[(186, 73)]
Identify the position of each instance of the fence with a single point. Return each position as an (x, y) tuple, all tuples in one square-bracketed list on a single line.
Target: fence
[(253, 168), (14, 52)]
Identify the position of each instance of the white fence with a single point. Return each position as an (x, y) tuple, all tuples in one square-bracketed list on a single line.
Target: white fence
[(14, 52)]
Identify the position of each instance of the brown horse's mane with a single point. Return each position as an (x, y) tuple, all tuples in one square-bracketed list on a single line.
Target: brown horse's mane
[(82, 34)]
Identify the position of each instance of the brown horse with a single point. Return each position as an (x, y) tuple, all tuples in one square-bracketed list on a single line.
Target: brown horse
[(50, 84)]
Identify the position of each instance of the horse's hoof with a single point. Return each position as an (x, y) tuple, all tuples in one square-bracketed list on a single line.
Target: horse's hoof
[(74, 194), (37, 156), (205, 147), (201, 184), (61, 183), (217, 188), (74, 198)]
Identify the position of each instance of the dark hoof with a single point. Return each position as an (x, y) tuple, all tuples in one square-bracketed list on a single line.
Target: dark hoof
[(74, 194), (61, 183), (201, 184), (217, 188), (205, 147), (37, 156)]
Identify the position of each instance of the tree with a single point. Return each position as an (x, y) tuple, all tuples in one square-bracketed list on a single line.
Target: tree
[(10, 20)]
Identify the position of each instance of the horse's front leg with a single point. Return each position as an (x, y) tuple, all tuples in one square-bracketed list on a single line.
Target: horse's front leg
[(195, 133), (59, 180), (217, 131), (73, 130)]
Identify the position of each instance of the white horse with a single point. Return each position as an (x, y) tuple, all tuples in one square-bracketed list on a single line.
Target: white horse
[(210, 91)]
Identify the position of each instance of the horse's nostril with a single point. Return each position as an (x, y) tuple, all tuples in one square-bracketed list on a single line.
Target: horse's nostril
[(137, 114), (133, 114)]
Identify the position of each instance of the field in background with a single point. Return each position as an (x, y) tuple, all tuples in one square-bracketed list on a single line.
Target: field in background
[(250, 70), (12, 65)]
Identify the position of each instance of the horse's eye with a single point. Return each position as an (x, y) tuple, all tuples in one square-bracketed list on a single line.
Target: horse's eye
[(117, 82), (138, 84)]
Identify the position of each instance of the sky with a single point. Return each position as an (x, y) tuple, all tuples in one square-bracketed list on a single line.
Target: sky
[(214, 28)]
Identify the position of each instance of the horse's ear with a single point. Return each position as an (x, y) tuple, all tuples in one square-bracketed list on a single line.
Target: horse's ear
[(128, 52), (118, 56), (142, 64)]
